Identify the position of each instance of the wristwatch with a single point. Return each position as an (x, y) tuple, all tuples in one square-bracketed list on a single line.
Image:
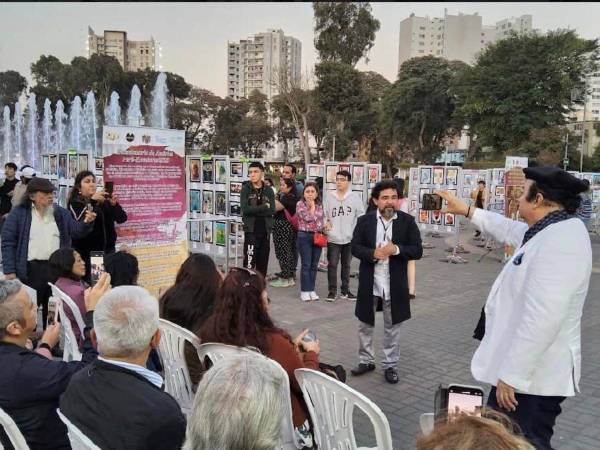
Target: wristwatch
[(46, 346)]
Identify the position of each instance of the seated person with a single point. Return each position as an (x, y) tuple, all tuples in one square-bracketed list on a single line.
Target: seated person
[(241, 317), (31, 382), (466, 432), (117, 402), (123, 268), (190, 301), (67, 270), (238, 406)]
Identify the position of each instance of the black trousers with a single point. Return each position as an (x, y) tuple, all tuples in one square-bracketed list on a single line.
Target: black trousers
[(535, 415), (334, 253), (256, 252), (38, 276)]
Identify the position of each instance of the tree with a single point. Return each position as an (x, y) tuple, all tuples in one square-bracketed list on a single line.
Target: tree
[(284, 128), (344, 31), (547, 145), (522, 83), (12, 84), (417, 110), (196, 116)]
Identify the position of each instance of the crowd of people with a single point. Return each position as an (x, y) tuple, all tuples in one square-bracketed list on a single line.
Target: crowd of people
[(530, 350)]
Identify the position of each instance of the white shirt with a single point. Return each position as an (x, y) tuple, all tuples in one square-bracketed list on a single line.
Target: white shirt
[(44, 237), (381, 281), (152, 377)]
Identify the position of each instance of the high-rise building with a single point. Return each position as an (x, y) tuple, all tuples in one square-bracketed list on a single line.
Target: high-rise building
[(454, 37), (132, 55), (257, 62)]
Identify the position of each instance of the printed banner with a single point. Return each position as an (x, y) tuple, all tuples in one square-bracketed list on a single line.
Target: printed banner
[(147, 167)]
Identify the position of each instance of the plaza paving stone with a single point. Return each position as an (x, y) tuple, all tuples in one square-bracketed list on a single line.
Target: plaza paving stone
[(436, 345)]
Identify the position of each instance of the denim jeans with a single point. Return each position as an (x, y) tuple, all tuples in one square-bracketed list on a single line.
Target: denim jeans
[(309, 255), (334, 251)]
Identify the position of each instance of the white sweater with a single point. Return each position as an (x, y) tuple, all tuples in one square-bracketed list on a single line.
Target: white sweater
[(342, 214)]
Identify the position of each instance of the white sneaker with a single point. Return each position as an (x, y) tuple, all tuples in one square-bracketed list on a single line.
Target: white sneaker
[(305, 296), (314, 296)]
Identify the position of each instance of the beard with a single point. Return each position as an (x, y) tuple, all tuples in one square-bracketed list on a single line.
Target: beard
[(388, 212)]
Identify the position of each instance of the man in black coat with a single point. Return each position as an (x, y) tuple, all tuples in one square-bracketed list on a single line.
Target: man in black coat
[(384, 241), (116, 401), (31, 383)]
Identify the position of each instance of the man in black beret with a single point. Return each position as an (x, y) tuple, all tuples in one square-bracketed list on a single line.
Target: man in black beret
[(531, 350)]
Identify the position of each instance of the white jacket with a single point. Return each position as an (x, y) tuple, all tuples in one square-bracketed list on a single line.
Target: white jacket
[(533, 312)]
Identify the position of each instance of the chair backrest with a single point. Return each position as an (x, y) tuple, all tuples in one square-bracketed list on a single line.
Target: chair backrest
[(78, 440), (71, 350), (172, 354), (215, 352), (70, 304), (12, 431), (331, 404)]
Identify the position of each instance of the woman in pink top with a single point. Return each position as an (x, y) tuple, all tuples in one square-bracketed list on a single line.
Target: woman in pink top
[(67, 269), (310, 221)]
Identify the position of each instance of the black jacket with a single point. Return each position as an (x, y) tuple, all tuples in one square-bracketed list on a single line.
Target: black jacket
[(30, 387), (406, 235), (254, 204), (119, 409), (5, 200)]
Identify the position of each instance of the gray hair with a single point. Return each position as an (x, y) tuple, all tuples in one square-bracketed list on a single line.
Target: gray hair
[(125, 320), (238, 405), (9, 311)]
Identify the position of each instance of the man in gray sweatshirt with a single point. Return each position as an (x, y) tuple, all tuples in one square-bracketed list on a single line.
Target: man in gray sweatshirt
[(342, 208)]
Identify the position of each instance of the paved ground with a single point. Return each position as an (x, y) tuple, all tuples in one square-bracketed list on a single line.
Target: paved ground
[(437, 346)]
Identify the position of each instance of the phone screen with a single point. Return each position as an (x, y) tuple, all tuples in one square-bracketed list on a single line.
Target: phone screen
[(310, 336), (97, 266), (109, 187), (464, 400), (51, 319)]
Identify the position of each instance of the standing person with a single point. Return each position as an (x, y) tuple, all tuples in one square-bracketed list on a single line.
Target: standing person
[(33, 231), (479, 196), (585, 210), (531, 349), (310, 221), (20, 190), (258, 208), (342, 209), (289, 173), (284, 235), (108, 211), (384, 242), (7, 190)]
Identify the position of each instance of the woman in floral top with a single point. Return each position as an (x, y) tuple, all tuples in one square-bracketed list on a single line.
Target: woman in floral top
[(310, 221)]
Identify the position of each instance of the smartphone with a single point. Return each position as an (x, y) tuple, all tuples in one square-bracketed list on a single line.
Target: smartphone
[(432, 202), (51, 319), (310, 336), (464, 399), (97, 266), (109, 187)]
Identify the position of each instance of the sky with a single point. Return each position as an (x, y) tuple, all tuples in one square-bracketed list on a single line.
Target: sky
[(194, 37)]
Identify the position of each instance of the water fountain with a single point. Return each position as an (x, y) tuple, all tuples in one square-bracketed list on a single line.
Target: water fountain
[(134, 112), (75, 126), (19, 148), (90, 123), (7, 152), (158, 114), (59, 122), (112, 115), (47, 129), (32, 150)]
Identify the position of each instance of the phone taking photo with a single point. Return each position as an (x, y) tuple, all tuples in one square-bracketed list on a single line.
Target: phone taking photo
[(310, 336), (97, 266), (52, 307), (109, 187), (464, 399), (431, 202)]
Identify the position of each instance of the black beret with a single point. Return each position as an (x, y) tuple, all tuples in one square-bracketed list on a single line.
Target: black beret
[(40, 185), (555, 180)]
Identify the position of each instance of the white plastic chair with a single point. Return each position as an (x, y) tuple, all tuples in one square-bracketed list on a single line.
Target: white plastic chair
[(56, 292), (78, 440), (12, 431), (171, 350), (215, 352), (71, 350), (331, 404)]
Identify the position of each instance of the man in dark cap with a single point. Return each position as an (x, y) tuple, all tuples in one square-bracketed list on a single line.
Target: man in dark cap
[(531, 350), (34, 230)]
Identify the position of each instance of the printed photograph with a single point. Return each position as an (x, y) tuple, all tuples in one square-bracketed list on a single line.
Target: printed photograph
[(467, 178), (235, 208), (195, 231), (73, 166), (83, 162), (438, 175), (220, 234), (207, 232), (315, 171), (208, 202), (423, 216), (232, 228), (499, 191), (358, 175), (466, 192), (100, 181), (373, 175), (413, 205), (425, 177), (220, 171), (195, 170), (237, 169), (421, 192), (345, 167), (235, 188), (207, 171), (449, 220), (360, 194), (436, 217), (45, 169), (62, 195), (53, 169), (62, 166), (331, 171), (452, 177), (194, 200), (220, 203), (99, 164)]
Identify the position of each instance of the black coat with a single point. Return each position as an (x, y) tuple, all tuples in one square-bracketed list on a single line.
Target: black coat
[(406, 235), (30, 387), (120, 409)]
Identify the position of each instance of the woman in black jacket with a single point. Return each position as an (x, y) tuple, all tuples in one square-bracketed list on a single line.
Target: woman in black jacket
[(284, 235), (108, 211)]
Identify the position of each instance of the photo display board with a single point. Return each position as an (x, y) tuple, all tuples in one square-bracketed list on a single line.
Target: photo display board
[(62, 168), (496, 184), (470, 178)]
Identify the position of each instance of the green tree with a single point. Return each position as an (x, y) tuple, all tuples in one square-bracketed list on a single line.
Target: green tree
[(284, 128), (196, 116), (522, 83), (344, 31), (547, 145), (12, 84), (417, 110)]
